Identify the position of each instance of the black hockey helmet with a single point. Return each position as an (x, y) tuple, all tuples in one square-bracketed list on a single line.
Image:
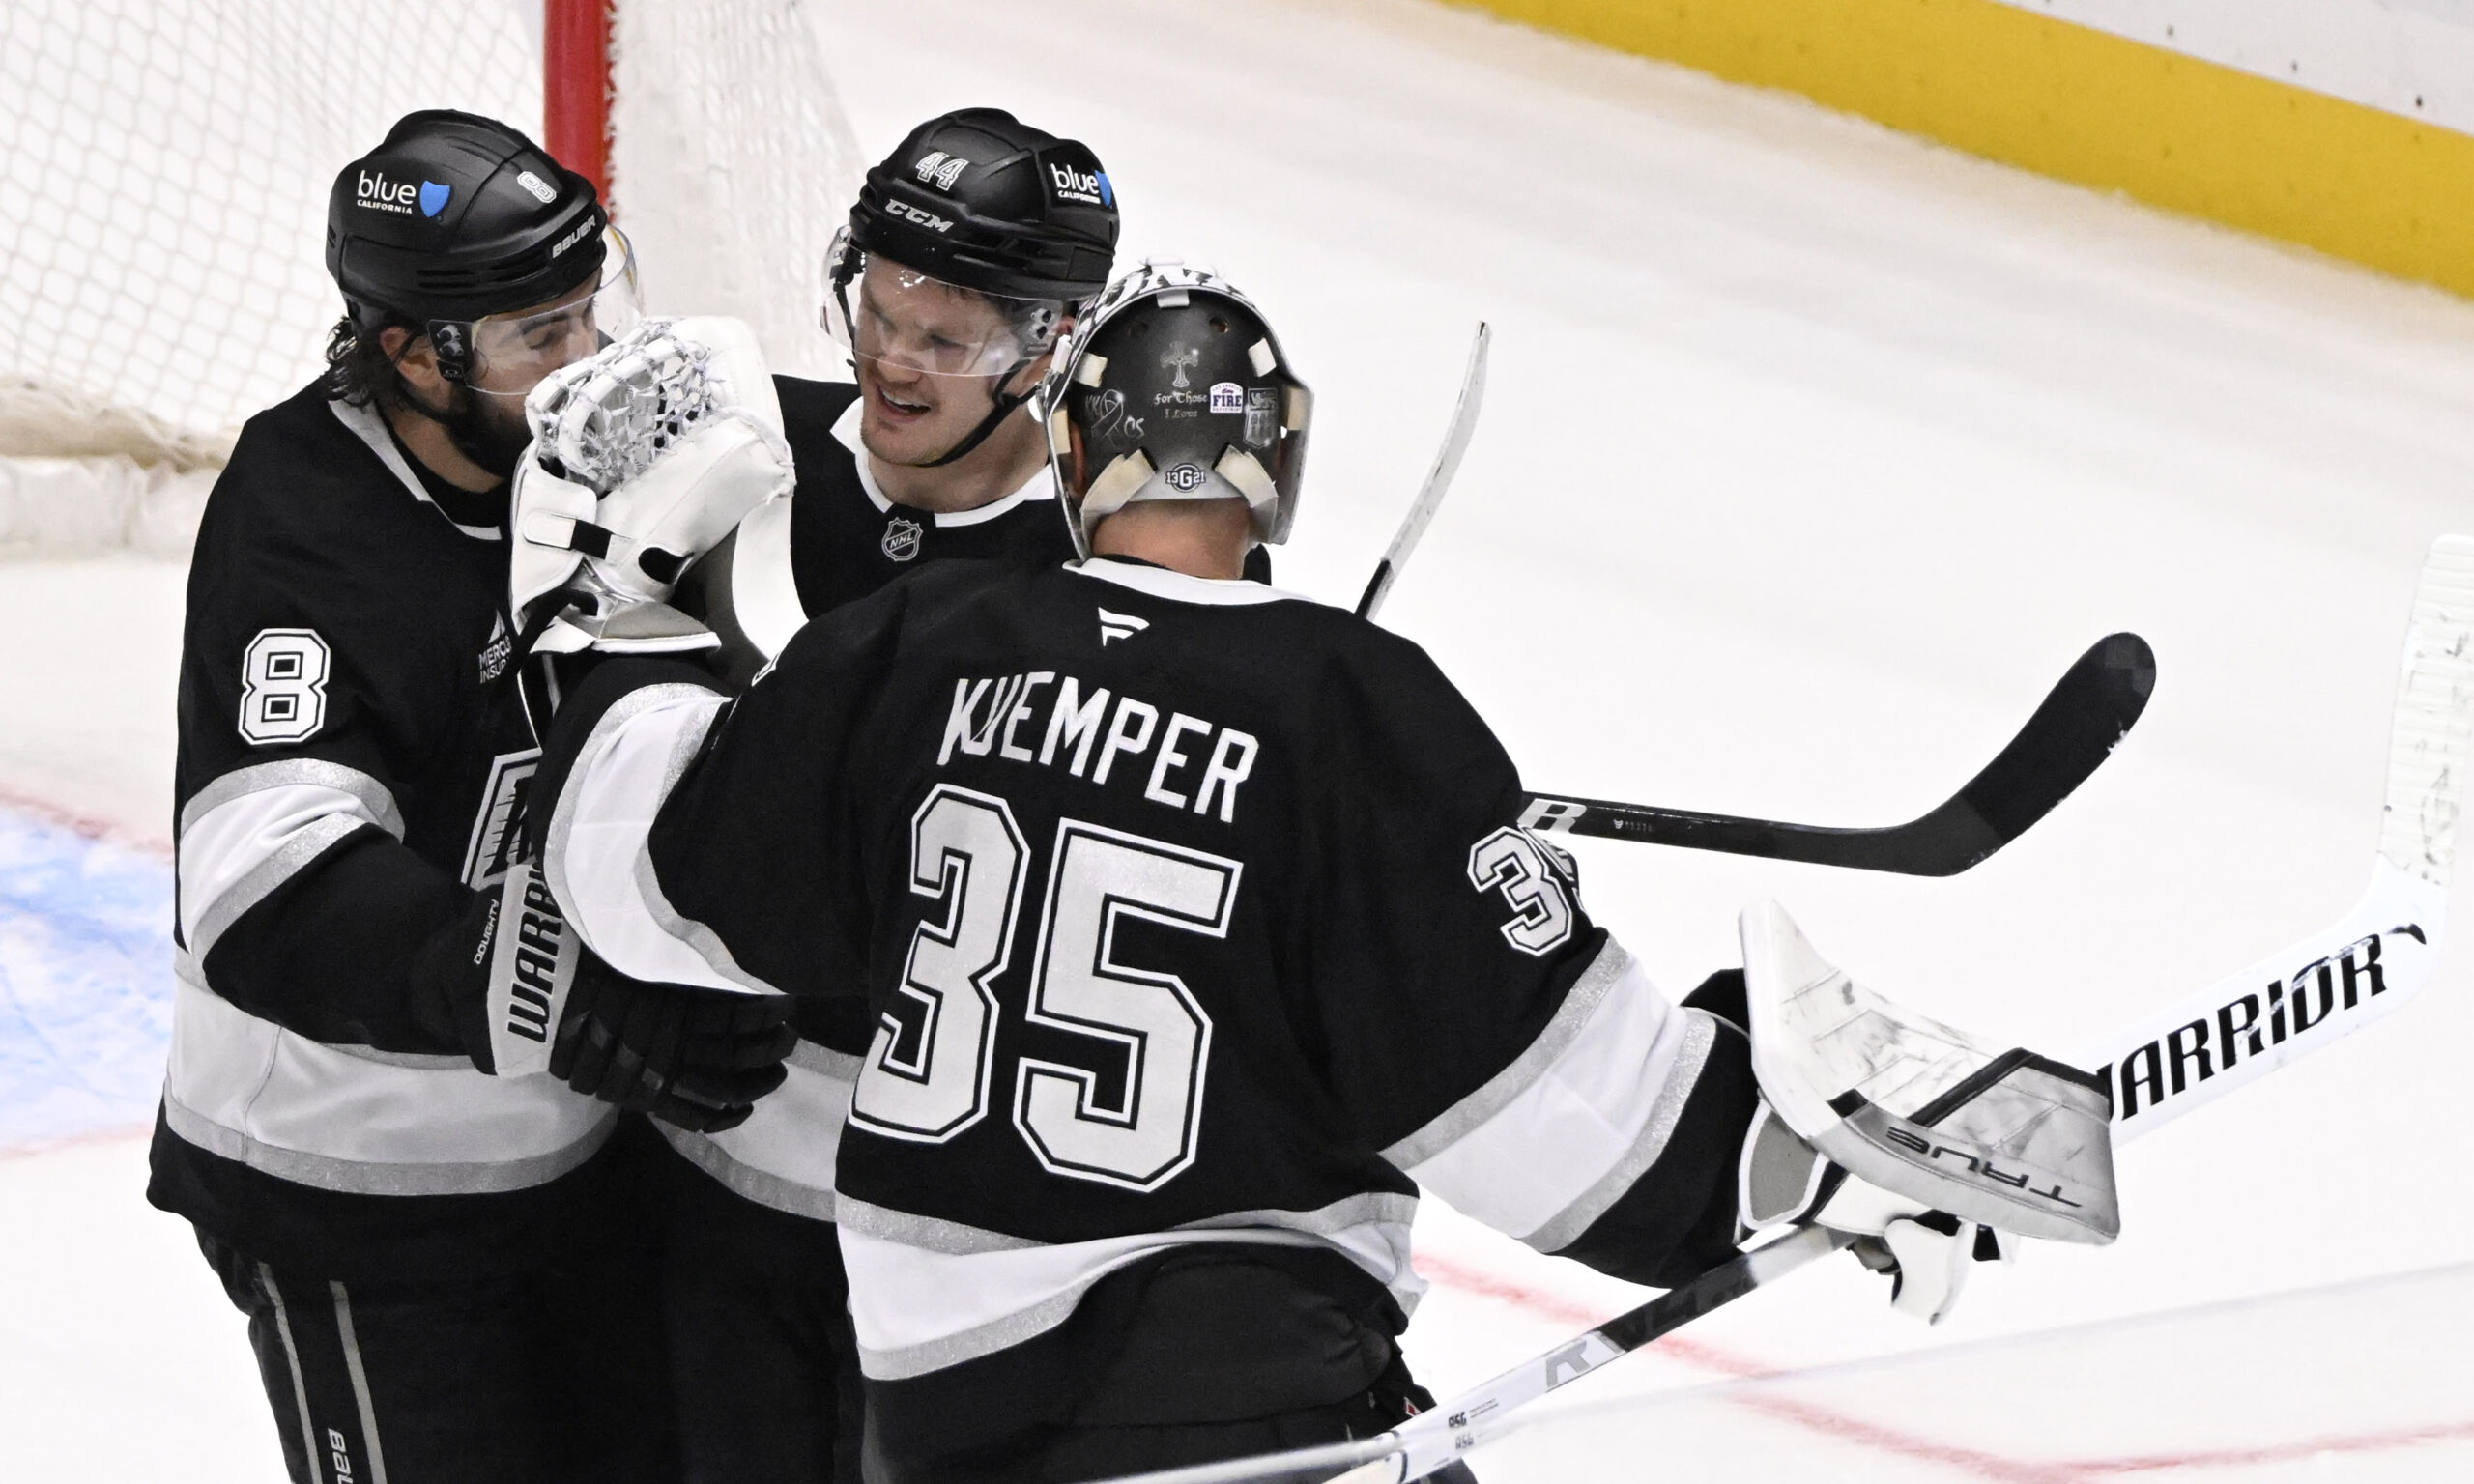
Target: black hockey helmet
[(455, 219), (970, 250), (984, 201), (1172, 386)]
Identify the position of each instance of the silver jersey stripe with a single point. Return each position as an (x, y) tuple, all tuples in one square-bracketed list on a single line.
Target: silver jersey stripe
[(746, 1181), (1464, 1117), (784, 1154), (239, 782), (907, 1266), (303, 846), (929, 1234), (824, 1061), (1700, 1033), (353, 1177)]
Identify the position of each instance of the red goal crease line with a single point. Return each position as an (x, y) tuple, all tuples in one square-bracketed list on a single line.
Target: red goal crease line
[(1844, 1427)]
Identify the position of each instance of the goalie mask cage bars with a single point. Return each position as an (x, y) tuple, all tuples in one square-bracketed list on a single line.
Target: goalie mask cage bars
[(167, 165)]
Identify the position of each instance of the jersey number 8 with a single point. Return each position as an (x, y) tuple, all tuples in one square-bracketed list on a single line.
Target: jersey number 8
[(283, 686), (927, 1075)]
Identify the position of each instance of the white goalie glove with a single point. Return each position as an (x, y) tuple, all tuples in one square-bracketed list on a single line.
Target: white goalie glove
[(643, 456), (1932, 1148)]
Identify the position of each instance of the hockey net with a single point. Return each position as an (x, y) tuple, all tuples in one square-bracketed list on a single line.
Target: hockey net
[(165, 164)]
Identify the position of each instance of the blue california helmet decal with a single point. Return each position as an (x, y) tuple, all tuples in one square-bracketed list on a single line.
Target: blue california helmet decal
[(1107, 194), (433, 198)]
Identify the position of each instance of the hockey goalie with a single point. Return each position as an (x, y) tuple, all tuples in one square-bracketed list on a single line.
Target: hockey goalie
[(1181, 932)]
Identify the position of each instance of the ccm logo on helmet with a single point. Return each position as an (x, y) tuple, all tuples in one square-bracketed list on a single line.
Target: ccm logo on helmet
[(922, 216), (1091, 187)]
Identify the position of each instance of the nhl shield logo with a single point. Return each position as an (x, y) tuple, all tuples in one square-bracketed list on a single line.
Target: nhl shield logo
[(902, 538)]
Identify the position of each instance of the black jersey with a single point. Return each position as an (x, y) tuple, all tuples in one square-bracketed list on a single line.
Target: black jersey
[(353, 764), (1186, 913)]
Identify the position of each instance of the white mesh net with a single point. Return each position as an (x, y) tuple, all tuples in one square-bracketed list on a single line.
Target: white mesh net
[(732, 166), (165, 164)]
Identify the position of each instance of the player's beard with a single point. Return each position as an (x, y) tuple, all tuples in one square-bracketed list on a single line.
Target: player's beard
[(489, 430)]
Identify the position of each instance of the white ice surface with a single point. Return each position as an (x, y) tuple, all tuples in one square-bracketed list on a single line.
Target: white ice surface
[(1811, 455)]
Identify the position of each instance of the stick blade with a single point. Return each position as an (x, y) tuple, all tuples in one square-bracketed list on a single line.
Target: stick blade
[(2082, 720), (2431, 739)]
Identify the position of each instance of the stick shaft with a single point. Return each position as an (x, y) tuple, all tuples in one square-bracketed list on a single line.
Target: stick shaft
[(2072, 731), (1447, 463)]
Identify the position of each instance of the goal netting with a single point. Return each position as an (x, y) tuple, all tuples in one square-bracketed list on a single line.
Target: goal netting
[(165, 167)]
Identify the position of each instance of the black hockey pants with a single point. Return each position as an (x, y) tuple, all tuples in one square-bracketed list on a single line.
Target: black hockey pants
[(762, 1365), (1078, 1454), (550, 1377)]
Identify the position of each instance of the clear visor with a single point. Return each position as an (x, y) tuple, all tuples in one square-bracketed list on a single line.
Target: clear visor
[(883, 312), (510, 353)]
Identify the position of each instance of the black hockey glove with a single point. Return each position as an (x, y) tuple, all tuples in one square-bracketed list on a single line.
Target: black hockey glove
[(450, 980), (693, 1057)]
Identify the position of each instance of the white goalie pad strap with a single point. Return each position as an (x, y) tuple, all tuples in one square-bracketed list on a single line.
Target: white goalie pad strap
[(543, 513), (532, 965), (1557, 1137), (595, 855), (765, 588), (2004, 1138)]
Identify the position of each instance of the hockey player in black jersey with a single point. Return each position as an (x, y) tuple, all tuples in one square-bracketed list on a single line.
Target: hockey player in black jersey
[(969, 251), (413, 1240), (1195, 932), (966, 255)]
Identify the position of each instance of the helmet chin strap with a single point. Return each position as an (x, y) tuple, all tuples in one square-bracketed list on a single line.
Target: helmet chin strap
[(1006, 407)]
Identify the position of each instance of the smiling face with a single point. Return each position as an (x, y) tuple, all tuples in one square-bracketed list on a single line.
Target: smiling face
[(929, 357)]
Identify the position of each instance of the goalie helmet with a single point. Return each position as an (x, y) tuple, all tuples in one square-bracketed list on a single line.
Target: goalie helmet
[(1172, 386), (456, 221)]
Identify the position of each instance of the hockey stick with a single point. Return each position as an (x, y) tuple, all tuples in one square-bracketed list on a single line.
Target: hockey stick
[(1447, 463), (2068, 737), (2372, 961)]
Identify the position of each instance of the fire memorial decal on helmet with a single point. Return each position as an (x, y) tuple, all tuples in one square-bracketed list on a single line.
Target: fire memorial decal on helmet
[(1172, 386)]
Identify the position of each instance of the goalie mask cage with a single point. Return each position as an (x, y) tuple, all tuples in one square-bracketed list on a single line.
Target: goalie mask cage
[(166, 162)]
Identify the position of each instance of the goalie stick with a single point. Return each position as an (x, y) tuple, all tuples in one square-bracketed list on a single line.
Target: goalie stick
[(2069, 736), (2285, 1006), (1447, 463)]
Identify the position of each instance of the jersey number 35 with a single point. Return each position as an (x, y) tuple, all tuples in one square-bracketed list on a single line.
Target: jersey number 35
[(929, 1072)]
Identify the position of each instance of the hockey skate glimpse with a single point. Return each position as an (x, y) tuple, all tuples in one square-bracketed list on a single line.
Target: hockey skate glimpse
[(1453, 739)]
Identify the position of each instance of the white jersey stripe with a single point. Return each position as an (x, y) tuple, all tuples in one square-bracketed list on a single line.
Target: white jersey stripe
[(251, 830), (1554, 1135), (927, 1293)]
